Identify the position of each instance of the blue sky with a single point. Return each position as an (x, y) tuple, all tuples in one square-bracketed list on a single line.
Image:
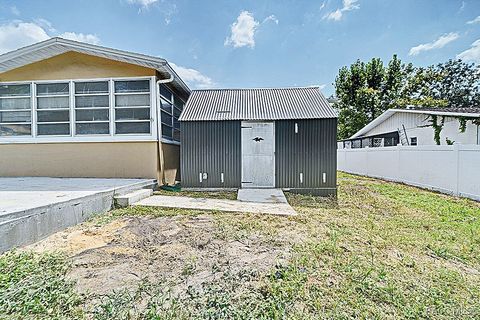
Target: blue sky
[(256, 43)]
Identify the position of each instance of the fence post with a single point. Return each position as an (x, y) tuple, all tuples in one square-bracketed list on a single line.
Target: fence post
[(399, 164), (456, 154)]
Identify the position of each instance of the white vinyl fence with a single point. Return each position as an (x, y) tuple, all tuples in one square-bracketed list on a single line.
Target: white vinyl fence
[(449, 169)]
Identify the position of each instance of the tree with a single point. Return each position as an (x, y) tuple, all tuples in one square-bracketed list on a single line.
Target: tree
[(366, 90)]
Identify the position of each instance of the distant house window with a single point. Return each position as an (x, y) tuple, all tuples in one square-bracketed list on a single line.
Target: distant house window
[(413, 141), (92, 108), (53, 109), (171, 107), (132, 107), (15, 110), (377, 142)]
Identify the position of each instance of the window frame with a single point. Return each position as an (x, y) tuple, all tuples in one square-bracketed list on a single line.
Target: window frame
[(31, 110), (171, 114), (111, 137)]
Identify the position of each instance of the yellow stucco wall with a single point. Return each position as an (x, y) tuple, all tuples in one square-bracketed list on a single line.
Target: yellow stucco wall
[(78, 159), (100, 160), (73, 65), (171, 154)]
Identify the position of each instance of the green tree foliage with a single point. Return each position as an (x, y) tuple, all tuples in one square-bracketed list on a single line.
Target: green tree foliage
[(365, 90)]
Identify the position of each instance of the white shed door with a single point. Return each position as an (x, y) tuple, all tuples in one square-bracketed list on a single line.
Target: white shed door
[(258, 154)]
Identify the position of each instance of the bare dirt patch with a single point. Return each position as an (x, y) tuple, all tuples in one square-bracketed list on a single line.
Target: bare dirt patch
[(185, 251)]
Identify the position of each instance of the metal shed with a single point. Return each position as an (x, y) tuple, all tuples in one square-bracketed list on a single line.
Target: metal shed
[(259, 138)]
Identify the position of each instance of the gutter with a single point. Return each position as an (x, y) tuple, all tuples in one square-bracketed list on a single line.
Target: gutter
[(161, 158)]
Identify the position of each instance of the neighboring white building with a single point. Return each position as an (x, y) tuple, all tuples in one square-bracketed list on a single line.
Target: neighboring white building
[(413, 127)]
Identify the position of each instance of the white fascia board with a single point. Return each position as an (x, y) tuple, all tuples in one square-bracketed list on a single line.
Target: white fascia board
[(387, 114)]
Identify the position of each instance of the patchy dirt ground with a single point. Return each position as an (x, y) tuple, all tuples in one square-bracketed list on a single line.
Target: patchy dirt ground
[(185, 251)]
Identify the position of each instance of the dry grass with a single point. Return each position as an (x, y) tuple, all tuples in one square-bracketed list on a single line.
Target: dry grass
[(383, 251)]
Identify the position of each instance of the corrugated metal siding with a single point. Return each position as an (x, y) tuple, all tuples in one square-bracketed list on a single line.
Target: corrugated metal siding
[(257, 104), (312, 151), (211, 147)]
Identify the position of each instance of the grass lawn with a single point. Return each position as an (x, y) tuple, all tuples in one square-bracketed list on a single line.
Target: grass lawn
[(383, 251)]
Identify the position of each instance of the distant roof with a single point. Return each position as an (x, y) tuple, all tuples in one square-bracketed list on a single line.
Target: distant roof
[(459, 112), (257, 104), (55, 46), (474, 110)]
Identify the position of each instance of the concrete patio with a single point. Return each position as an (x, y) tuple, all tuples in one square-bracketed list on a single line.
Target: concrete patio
[(34, 207), (262, 201)]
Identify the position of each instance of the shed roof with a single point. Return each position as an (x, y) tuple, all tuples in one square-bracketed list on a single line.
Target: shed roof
[(257, 104), (55, 46)]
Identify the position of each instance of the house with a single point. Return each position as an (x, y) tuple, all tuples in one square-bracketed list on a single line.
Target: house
[(259, 138), (71, 109), (414, 127)]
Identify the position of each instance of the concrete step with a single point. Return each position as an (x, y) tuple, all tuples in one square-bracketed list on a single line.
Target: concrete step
[(130, 198)]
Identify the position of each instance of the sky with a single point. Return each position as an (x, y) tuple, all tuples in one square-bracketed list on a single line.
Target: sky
[(256, 43)]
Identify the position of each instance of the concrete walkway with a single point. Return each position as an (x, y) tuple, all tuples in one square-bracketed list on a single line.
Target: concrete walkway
[(217, 205), (261, 195)]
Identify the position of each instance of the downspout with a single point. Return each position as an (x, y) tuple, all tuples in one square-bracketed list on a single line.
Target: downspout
[(159, 128)]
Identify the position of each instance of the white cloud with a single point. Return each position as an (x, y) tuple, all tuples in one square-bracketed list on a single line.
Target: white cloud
[(337, 15), (243, 31), (88, 38), (18, 34), (271, 18), (45, 24), (15, 10), (472, 54), (192, 77), (144, 4), (322, 5), (437, 44), (322, 86), (476, 20)]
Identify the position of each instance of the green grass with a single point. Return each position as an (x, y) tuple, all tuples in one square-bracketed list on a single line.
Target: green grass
[(35, 286), (382, 251)]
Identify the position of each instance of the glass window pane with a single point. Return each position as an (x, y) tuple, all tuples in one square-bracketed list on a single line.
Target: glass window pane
[(92, 128), (53, 102), (166, 106), (133, 100), (92, 115), (53, 116), (176, 135), (132, 86), (52, 88), (15, 103), (132, 127), (176, 112), (165, 93), (167, 132), (178, 103), (10, 90), (15, 130), (92, 102), (91, 87), (15, 116), (53, 129), (132, 114), (176, 123), (166, 118)]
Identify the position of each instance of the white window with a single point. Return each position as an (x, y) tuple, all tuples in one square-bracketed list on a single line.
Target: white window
[(92, 108), (53, 109), (15, 110), (171, 108), (132, 107)]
